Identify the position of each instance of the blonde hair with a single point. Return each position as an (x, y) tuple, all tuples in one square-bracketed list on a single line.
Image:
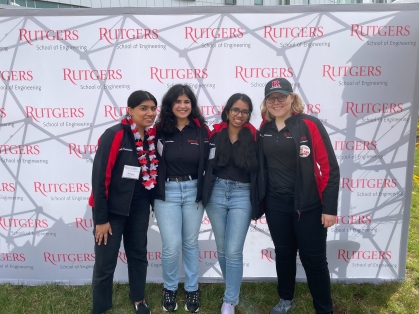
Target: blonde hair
[(296, 106)]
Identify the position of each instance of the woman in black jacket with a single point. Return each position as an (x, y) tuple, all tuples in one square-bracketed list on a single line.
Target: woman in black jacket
[(124, 170), (182, 151), (230, 194), (300, 183)]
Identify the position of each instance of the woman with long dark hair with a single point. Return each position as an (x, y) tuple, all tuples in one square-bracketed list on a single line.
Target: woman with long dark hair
[(300, 177), (124, 172), (182, 149), (230, 195)]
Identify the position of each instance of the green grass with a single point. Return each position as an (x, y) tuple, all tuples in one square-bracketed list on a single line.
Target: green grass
[(256, 298)]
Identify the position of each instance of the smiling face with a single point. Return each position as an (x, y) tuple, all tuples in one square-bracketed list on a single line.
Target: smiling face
[(182, 107), (144, 114), (238, 114), (279, 109)]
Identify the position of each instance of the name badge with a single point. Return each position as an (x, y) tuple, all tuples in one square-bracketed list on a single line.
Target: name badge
[(212, 153), (131, 172), (160, 147)]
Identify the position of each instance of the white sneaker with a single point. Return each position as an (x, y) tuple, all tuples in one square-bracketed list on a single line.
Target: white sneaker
[(227, 308)]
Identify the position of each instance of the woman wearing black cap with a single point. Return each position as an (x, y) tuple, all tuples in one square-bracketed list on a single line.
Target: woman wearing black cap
[(124, 170), (300, 185)]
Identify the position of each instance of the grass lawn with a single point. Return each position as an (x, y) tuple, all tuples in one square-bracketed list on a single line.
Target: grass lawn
[(389, 298)]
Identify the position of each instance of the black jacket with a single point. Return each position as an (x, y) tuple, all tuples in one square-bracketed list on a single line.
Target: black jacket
[(209, 181), (319, 167), (203, 135), (110, 192)]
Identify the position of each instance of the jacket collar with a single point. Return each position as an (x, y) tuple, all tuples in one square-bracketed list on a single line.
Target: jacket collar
[(224, 125)]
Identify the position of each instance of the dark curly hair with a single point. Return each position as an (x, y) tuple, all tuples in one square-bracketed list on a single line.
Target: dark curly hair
[(244, 153), (166, 121)]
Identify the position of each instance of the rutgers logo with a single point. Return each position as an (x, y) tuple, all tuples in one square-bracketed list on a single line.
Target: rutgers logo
[(91, 75), (268, 254), (206, 255), (55, 258), (16, 76), (352, 184), (54, 113), (312, 108), (382, 31), (388, 108), (358, 70), (354, 220), (165, 74), (37, 35), (45, 188), (211, 33), (81, 150), (6, 223), (151, 256), (85, 224), (111, 35), (115, 112), (12, 257), (355, 145), (7, 187), (246, 73), (122, 256), (19, 149), (276, 84), (363, 255), (292, 32)]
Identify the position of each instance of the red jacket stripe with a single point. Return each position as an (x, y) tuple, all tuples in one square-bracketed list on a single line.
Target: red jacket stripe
[(116, 144), (320, 156)]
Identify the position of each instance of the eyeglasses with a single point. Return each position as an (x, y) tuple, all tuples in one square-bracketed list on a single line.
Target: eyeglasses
[(236, 111), (280, 98)]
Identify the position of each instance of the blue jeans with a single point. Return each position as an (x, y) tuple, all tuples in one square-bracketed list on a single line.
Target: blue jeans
[(229, 211), (179, 219)]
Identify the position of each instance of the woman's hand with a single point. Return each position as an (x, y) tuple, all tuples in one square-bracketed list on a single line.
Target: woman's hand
[(328, 220), (102, 233)]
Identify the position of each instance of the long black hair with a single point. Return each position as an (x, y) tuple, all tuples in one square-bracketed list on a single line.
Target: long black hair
[(244, 153), (166, 120)]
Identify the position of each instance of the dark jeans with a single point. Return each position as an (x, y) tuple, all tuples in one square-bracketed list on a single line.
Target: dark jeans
[(133, 229), (305, 233)]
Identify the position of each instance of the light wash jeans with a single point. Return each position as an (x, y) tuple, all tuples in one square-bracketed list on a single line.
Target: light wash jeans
[(229, 211), (179, 219)]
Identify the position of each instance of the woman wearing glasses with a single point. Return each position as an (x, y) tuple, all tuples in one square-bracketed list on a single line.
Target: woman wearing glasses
[(300, 177), (230, 195)]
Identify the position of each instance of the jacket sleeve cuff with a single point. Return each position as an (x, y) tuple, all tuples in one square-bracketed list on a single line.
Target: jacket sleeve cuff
[(101, 222)]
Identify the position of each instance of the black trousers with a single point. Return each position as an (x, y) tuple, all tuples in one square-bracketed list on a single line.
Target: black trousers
[(133, 230), (291, 232)]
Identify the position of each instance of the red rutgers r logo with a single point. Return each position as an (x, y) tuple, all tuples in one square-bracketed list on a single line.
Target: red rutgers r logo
[(276, 84)]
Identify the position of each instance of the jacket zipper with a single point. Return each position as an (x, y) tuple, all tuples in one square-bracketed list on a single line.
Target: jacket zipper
[(298, 166)]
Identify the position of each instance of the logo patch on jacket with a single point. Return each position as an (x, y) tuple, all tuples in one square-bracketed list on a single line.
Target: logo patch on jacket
[(304, 151)]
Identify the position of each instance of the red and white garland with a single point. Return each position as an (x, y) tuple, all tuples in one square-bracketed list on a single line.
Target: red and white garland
[(149, 178)]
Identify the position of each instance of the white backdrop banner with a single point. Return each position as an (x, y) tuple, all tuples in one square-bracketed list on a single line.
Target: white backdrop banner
[(66, 75)]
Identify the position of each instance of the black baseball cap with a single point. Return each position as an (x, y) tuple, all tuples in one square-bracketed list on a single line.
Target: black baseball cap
[(278, 85)]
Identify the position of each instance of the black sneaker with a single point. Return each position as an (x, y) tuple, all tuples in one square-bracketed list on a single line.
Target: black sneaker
[(283, 307), (142, 308), (169, 300), (192, 301)]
